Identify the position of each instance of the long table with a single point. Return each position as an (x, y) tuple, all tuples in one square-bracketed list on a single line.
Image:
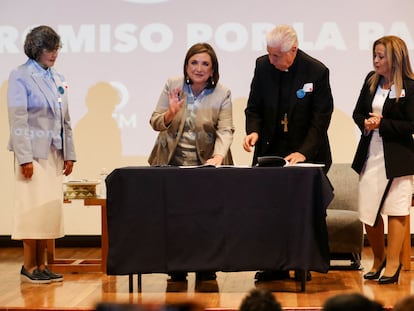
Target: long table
[(164, 219)]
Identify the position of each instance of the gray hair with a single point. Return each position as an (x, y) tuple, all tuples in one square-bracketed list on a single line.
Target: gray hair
[(284, 36)]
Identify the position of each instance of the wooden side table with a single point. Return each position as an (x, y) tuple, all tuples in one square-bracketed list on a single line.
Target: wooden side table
[(82, 265)]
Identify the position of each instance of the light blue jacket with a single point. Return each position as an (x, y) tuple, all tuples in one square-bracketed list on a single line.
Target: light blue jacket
[(32, 115)]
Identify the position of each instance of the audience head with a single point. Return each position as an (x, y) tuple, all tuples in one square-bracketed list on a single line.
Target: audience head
[(405, 304), (260, 300), (354, 302)]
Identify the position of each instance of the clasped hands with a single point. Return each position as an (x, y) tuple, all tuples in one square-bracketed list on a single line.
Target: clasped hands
[(373, 122)]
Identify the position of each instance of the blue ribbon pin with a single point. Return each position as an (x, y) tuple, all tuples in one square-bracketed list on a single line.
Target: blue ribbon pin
[(300, 93), (61, 90)]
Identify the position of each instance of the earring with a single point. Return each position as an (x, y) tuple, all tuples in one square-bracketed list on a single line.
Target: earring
[(187, 80), (212, 80)]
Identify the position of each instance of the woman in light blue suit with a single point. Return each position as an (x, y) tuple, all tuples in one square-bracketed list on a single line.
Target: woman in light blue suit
[(41, 139)]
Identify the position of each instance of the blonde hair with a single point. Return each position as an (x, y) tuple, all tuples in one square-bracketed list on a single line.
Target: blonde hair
[(398, 62), (283, 35)]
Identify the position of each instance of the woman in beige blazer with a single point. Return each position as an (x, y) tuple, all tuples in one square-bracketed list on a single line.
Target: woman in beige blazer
[(194, 120), (194, 115)]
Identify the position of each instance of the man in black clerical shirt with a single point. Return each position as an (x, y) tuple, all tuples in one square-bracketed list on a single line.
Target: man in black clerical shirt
[(289, 108)]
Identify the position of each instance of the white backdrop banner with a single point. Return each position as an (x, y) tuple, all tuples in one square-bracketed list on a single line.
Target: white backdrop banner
[(137, 44)]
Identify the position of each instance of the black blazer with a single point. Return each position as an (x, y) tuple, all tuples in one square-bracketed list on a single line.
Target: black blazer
[(396, 129), (309, 117)]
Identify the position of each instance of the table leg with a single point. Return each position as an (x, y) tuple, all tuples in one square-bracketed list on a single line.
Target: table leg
[(303, 280), (405, 257), (130, 282), (79, 265), (139, 282)]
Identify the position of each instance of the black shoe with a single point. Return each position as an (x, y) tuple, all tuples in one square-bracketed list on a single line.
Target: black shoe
[(177, 276), (35, 277), (375, 275), (271, 275), (206, 276), (298, 275), (390, 279), (54, 277)]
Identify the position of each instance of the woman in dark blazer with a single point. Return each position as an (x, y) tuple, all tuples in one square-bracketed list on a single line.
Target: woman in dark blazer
[(385, 155)]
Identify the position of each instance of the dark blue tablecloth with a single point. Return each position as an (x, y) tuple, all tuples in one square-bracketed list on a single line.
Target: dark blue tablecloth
[(163, 219)]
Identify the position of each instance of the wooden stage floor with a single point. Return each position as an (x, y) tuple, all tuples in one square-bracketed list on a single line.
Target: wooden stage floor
[(84, 291)]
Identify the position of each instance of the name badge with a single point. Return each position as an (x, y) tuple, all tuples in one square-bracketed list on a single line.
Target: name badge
[(393, 94), (308, 87)]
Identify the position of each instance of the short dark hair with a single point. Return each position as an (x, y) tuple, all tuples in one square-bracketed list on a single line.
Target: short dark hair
[(39, 39), (260, 300), (204, 48), (353, 301)]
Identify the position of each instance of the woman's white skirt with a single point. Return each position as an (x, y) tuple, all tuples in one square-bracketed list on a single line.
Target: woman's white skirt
[(39, 200), (373, 182)]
